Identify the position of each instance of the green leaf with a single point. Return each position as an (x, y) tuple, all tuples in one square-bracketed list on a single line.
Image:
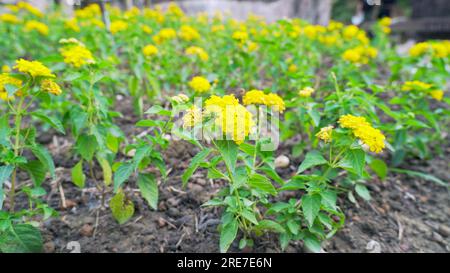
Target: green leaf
[(271, 226), (311, 207), (21, 238), (229, 151), (122, 174), (379, 167), (5, 173), (158, 109), (329, 199), (78, 177), (425, 176), (52, 121), (315, 115), (149, 189), (141, 153), (228, 234), (86, 146), (4, 130), (313, 158), (312, 244), (262, 183), (362, 191), (195, 162), (149, 123), (45, 158), (112, 143), (354, 161), (106, 168), (293, 226), (122, 209), (249, 215), (36, 170)]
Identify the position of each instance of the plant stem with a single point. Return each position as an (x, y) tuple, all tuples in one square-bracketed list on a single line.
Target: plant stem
[(18, 123)]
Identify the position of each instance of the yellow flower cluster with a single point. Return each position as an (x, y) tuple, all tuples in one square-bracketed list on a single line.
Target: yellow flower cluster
[(118, 26), (51, 87), (258, 97), (197, 51), (72, 24), (9, 18), (306, 92), (77, 55), (192, 117), (437, 49), (89, 11), (292, 68), (233, 118), (28, 7), (416, 86), (36, 25), (5, 79), (33, 68), (164, 35), (240, 36), (423, 87), (146, 29), (200, 84), (175, 10), (150, 50), (360, 54), (370, 136), (188, 33), (385, 24), (325, 133)]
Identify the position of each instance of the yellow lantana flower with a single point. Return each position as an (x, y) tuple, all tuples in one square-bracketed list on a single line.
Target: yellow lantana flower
[(150, 50), (37, 26), (325, 133), (118, 26), (200, 84), (33, 68), (51, 87)]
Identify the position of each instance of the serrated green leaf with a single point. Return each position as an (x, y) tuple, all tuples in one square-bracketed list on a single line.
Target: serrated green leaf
[(45, 158), (379, 167), (229, 151), (122, 174), (149, 189), (311, 207), (106, 168), (228, 234), (86, 146), (122, 209), (270, 226), (5, 173), (313, 158), (78, 177), (312, 244), (262, 183), (354, 161), (36, 170), (21, 238), (362, 191), (195, 162), (52, 121)]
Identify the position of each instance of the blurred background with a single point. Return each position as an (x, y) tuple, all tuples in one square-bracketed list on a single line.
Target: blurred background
[(418, 19)]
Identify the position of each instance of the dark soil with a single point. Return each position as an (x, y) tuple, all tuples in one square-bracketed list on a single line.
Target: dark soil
[(406, 214)]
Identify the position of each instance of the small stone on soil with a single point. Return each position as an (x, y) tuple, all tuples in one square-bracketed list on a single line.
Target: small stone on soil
[(87, 230), (282, 161)]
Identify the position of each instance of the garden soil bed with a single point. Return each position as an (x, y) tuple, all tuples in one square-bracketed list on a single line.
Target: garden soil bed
[(405, 215)]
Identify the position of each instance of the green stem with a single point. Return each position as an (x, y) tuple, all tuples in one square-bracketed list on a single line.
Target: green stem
[(18, 124)]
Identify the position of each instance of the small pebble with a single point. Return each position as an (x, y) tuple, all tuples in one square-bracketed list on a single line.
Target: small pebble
[(282, 161)]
